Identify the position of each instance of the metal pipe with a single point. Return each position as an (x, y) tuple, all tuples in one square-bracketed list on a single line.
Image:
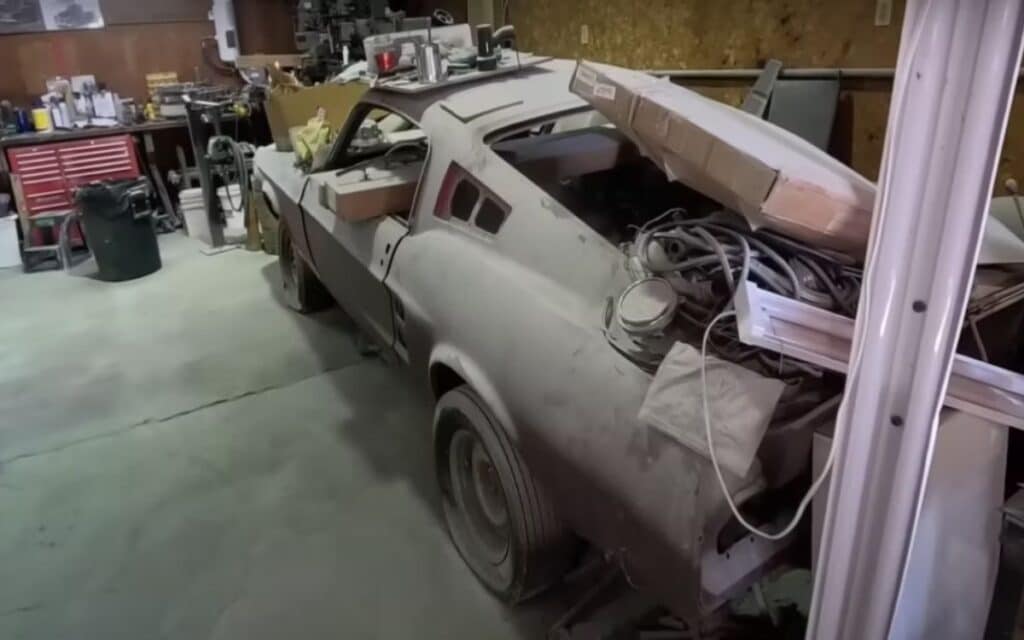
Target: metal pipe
[(844, 73), (792, 74), (957, 67)]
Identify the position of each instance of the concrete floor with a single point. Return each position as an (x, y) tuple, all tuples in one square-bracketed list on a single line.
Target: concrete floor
[(182, 457)]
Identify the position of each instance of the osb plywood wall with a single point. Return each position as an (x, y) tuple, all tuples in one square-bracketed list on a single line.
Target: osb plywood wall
[(714, 34)]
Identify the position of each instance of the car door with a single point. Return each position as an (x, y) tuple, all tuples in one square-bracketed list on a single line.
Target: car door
[(352, 258)]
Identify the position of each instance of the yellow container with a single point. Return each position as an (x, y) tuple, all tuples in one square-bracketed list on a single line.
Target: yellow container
[(41, 119), (156, 80)]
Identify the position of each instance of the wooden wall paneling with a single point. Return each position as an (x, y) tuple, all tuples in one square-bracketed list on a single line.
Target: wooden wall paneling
[(149, 11), (265, 26), (119, 56)]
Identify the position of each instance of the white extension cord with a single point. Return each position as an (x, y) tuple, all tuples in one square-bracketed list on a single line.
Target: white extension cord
[(841, 421), (853, 371), (714, 458)]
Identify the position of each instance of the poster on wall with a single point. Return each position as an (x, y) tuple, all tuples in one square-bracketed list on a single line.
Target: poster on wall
[(72, 14), (27, 16), (21, 16)]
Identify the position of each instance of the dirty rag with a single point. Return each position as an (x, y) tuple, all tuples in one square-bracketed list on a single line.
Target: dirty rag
[(741, 403)]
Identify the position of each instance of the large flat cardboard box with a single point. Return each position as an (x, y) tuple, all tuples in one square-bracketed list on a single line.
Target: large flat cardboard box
[(774, 178), (288, 108), (360, 195)]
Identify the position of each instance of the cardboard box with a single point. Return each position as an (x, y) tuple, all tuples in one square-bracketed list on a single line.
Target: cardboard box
[(771, 176), (288, 108), (360, 195)]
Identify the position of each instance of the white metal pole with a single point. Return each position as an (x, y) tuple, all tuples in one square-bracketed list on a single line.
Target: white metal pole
[(955, 77)]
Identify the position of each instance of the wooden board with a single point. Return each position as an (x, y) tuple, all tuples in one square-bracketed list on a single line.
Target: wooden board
[(696, 34)]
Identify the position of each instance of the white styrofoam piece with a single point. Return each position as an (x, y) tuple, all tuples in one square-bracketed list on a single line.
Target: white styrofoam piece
[(804, 332), (1004, 210), (10, 256), (1000, 244)]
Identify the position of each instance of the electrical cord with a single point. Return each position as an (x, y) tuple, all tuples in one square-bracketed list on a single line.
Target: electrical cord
[(708, 431), (704, 248), (216, 144), (714, 458), (854, 371), (703, 251)]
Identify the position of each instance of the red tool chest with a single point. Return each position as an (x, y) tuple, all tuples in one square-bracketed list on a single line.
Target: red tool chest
[(51, 172)]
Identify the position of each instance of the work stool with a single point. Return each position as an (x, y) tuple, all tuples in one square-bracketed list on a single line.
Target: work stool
[(60, 223)]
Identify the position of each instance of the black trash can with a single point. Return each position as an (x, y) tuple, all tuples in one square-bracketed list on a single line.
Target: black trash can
[(118, 221)]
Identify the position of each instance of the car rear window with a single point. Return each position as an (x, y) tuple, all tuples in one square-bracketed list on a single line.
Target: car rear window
[(464, 200), (491, 216)]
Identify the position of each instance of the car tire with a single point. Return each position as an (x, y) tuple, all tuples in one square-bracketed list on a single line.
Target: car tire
[(498, 516), (302, 290)]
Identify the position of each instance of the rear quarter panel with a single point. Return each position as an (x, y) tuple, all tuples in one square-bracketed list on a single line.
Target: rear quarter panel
[(520, 317)]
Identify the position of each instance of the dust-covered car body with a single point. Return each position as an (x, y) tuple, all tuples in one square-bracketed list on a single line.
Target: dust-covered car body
[(512, 297)]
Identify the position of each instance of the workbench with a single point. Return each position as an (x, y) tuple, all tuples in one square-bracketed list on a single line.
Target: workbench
[(54, 163), (145, 130)]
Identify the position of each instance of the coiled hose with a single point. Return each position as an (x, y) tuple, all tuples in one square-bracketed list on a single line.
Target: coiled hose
[(226, 145)]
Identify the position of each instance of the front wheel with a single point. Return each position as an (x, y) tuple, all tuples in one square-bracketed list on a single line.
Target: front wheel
[(499, 518), (302, 290)]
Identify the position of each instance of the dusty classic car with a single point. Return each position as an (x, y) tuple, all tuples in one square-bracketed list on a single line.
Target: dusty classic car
[(477, 232)]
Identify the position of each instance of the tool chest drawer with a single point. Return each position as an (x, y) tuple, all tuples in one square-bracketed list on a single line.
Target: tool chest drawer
[(50, 173)]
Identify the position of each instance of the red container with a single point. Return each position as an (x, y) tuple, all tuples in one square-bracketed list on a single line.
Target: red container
[(50, 173), (387, 62)]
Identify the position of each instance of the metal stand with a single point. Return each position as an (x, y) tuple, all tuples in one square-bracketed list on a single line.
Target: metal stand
[(805, 106), (956, 73), (169, 220), (607, 610), (198, 114)]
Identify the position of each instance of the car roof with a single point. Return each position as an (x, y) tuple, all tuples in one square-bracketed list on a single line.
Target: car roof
[(486, 105)]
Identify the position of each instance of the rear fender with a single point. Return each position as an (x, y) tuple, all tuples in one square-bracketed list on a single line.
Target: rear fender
[(462, 364)]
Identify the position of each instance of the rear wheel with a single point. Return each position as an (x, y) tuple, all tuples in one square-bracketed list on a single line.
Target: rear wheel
[(499, 518), (302, 290)]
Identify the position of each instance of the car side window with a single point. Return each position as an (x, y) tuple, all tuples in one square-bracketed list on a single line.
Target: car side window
[(491, 216), (464, 200)]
